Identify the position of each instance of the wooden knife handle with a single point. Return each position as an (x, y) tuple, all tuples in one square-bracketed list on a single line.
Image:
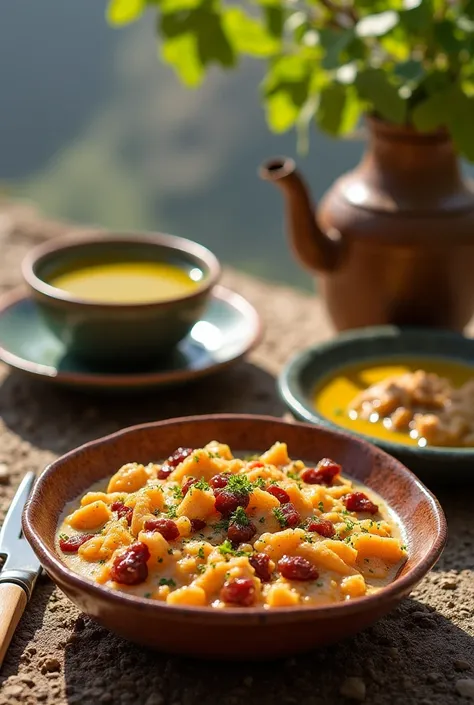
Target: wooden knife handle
[(13, 601)]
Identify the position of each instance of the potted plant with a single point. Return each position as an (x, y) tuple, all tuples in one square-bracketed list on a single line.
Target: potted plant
[(394, 239)]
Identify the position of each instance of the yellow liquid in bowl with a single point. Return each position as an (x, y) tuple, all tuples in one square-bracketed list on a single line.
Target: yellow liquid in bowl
[(334, 393), (128, 282)]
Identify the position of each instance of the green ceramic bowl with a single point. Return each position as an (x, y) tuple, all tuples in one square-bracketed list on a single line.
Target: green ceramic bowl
[(435, 465), (120, 335)]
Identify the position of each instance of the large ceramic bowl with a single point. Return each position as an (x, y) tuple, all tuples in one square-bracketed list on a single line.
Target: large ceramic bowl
[(435, 465), (119, 334), (238, 632)]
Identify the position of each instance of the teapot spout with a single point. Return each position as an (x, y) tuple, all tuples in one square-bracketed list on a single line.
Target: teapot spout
[(315, 250)]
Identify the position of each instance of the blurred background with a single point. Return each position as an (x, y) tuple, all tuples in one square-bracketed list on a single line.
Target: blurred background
[(93, 128)]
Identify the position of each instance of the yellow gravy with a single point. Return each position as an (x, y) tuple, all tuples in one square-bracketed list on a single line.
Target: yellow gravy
[(334, 393), (127, 282)]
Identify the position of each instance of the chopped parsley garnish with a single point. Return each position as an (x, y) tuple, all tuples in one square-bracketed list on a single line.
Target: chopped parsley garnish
[(213, 455), (156, 512), (240, 484), (321, 506), (147, 594), (201, 568), (196, 458), (201, 552), (319, 584), (260, 483), (279, 516), (261, 520), (221, 525), (226, 550), (177, 492), (249, 458), (239, 517), (349, 524), (201, 485), (167, 581), (171, 511), (292, 475), (403, 547), (63, 537)]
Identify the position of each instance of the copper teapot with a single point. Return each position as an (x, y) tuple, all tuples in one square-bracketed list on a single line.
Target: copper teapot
[(393, 240)]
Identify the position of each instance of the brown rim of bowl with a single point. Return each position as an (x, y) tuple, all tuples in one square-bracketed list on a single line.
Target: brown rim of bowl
[(131, 380), (171, 242), (400, 586)]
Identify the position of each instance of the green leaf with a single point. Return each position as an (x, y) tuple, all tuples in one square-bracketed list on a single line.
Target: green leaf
[(274, 20), (446, 35), (281, 111), (291, 70), (372, 6), (376, 25), (333, 43), (460, 122), (374, 87), (396, 45), (330, 111), (437, 81), (431, 114), (181, 53), (170, 6), (338, 110), (411, 70), (418, 17), (121, 12), (297, 24), (285, 90), (247, 35), (469, 9), (193, 40)]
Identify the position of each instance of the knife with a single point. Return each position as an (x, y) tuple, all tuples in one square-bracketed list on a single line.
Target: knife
[(20, 570)]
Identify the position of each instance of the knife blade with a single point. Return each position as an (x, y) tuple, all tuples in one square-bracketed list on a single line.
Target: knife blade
[(21, 565), (20, 569)]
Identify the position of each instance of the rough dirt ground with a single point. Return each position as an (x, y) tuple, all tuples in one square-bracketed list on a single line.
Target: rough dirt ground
[(423, 653)]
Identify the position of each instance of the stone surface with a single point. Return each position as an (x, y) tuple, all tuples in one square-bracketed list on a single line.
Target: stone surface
[(58, 656), (353, 689)]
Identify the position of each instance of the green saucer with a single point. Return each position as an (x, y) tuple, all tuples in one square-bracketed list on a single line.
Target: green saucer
[(229, 328), (434, 465)]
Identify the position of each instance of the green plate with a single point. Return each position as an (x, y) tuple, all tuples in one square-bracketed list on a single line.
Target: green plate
[(435, 465), (227, 331)]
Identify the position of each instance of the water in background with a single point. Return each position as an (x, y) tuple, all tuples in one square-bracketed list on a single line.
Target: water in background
[(94, 129)]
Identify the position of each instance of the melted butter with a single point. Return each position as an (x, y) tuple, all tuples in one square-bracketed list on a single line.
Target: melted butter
[(335, 392)]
